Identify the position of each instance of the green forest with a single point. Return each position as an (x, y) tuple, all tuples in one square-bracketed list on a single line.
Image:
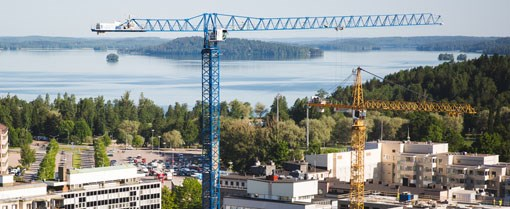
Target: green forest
[(45, 42), (251, 130), (233, 48), (487, 45)]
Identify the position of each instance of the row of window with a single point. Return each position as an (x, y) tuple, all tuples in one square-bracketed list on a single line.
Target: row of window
[(154, 206), (150, 186), (122, 205), (149, 196), (110, 191), (226, 183)]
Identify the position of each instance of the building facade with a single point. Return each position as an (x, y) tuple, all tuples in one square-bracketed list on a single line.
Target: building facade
[(284, 194), (423, 165), (107, 187), (4, 147)]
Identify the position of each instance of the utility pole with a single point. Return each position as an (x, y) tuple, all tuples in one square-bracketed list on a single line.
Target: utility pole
[(152, 139), (307, 127), (278, 107)]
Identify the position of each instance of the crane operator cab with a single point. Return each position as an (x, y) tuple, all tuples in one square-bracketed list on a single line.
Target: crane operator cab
[(219, 35), (359, 114)]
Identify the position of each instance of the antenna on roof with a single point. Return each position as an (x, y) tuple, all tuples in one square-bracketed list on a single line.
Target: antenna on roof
[(408, 137)]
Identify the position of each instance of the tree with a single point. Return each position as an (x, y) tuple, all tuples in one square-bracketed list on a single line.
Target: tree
[(107, 141), (282, 109), (125, 108), (172, 139), (127, 130), (27, 156), (168, 199), (100, 157), (239, 110), (82, 130), (66, 127), (138, 141), (260, 109), (189, 196), (47, 166), (291, 133), (87, 111)]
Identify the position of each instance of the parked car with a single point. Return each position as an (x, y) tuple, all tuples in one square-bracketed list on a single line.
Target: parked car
[(113, 162)]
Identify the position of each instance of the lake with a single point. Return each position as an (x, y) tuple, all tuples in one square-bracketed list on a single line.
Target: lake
[(85, 73)]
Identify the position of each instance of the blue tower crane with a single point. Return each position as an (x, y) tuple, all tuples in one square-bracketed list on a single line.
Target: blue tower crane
[(215, 28)]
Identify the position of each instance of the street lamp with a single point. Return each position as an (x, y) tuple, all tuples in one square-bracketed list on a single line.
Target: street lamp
[(307, 127), (152, 139), (278, 96)]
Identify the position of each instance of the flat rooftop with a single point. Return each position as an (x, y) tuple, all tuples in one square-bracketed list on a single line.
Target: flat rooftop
[(101, 169)]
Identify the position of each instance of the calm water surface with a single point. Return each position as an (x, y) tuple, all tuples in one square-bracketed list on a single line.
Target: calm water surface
[(85, 73)]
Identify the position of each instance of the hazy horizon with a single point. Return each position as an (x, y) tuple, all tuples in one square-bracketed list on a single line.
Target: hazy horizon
[(74, 18)]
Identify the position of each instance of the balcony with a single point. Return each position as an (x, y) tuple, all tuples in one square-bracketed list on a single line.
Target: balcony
[(4, 150), (457, 176), (3, 141), (479, 177)]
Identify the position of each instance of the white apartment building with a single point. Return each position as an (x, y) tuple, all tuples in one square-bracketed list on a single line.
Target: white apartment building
[(283, 194), (339, 164), (421, 164), (28, 196), (4, 147), (106, 188)]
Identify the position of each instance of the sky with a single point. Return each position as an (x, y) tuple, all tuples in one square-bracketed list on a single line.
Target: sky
[(74, 18)]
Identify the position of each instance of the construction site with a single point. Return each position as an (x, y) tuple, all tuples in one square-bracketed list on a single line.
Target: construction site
[(395, 173)]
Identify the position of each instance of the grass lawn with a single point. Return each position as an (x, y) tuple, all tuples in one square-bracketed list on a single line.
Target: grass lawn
[(76, 155), (76, 160)]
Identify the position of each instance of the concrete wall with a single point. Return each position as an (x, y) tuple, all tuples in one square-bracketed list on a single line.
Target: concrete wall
[(340, 163), (91, 175), (276, 190), (20, 192), (473, 159), (425, 148)]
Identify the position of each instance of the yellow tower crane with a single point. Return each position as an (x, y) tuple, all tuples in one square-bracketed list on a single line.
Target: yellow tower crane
[(358, 136)]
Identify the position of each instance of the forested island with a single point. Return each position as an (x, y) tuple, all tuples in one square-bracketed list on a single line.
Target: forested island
[(233, 49), (44, 42), (250, 130), (487, 45)]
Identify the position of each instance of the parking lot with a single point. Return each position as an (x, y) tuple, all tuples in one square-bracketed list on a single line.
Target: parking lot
[(176, 165)]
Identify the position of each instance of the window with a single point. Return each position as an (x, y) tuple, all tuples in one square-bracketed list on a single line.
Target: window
[(393, 151), (237, 183)]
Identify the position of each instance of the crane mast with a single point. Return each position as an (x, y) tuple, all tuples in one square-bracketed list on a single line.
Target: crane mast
[(358, 136), (214, 27)]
